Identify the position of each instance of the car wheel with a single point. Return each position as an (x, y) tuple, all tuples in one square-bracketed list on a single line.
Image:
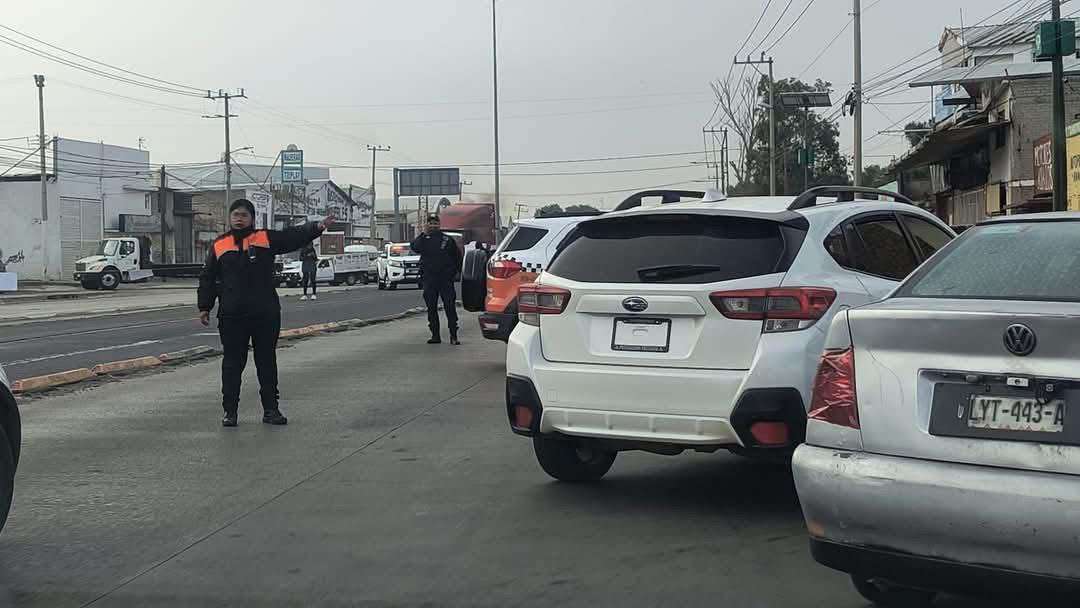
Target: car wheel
[(350, 280), (110, 280), (392, 286), (885, 594), (7, 477), (571, 460)]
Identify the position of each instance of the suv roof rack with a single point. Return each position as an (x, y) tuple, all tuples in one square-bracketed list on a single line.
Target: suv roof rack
[(843, 194), (668, 196), (568, 214)]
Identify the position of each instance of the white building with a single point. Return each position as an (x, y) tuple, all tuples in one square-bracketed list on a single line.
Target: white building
[(90, 185)]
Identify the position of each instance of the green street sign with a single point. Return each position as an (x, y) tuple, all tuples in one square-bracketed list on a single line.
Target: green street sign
[(1054, 39)]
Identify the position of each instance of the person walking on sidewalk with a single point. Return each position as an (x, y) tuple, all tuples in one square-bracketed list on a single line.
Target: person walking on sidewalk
[(239, 277), (440, 263), (308, 260)]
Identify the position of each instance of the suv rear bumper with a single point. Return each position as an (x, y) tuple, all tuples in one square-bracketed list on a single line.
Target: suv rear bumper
[(497, 325), (991, 519)]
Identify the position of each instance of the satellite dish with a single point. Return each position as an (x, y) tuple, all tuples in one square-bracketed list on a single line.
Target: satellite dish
[(292, 148)]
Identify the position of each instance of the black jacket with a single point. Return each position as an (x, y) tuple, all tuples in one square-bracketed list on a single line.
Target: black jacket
[(440, 257), (239, 277)]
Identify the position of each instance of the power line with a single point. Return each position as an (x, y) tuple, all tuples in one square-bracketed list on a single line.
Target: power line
[(163, 106), (97, 72), (772, 29), (790, 27), (102, 63)]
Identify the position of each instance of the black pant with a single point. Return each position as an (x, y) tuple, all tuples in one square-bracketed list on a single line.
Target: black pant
[(308, 278), (236, 333), (435, 289)]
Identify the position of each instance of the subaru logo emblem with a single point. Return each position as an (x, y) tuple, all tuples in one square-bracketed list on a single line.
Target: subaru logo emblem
[(635, 304), (1020, 340)]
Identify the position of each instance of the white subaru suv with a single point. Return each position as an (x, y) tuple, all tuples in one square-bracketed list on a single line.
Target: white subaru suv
[(698, 324)]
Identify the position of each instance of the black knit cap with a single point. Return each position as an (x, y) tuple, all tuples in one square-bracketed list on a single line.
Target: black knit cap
[(245, 203)]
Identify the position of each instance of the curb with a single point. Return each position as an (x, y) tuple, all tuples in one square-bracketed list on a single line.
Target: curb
[(40, 383), (125, 366), (115, 368)]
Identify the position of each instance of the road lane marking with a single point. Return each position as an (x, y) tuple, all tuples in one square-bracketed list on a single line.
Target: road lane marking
[(82, 352)]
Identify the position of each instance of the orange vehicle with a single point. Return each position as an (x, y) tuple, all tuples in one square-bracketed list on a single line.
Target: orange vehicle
[(519, 259)]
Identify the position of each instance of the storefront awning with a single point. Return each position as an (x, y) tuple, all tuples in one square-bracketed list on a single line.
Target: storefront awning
[(940, 145)]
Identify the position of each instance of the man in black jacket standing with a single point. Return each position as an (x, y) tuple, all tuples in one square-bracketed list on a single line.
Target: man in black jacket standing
[(440, 263), (239, 276)]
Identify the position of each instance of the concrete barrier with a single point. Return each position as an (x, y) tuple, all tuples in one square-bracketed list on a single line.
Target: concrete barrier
[(125, 366), (40, 383)]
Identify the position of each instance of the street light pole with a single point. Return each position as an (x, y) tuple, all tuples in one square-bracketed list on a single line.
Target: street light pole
[(1058, 87), (374, 150), (495, 98)]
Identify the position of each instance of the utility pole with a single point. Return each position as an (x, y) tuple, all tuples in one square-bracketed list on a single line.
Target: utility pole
[(225, 95), (39, 80), (856, 103), (161, 211), (714, 163), (495, 98), (724, 162), (1061, 186), (772, 116), (374, 151)]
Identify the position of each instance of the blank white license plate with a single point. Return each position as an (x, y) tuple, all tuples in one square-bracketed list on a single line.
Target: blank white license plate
[(1013, 414), (642, 335)]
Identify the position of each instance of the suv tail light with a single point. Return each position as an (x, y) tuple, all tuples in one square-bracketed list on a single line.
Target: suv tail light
[(834, 399), (504, 269), (535, 300), (781, 308)]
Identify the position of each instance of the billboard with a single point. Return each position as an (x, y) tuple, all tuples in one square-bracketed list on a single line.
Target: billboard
[(429, 182), (261, 200), (292, 166), (1044, 165)]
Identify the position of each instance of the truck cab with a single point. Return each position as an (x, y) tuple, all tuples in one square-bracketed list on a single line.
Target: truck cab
[(117, 260), (398, 264)]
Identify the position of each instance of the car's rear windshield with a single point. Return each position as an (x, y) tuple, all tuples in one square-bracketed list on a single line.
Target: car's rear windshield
[(1010, 261), (670, 248), (523, 238)]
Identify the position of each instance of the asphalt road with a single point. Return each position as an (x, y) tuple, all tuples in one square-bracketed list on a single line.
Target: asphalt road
[(396, 483), (43, 347)]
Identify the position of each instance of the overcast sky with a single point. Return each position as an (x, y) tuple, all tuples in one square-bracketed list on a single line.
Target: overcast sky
[(578, 79)]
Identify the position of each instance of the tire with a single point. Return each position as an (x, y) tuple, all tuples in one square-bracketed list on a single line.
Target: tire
[(392, 286), (350, 280), (110, 280), (89, 284), (887, 595), (7, 477), (571, 461)]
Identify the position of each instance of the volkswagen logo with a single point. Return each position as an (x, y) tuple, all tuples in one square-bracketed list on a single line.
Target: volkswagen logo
[(1020, 340), (635, 304)]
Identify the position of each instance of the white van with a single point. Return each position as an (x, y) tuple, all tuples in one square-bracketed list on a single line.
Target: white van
[(356, 265)]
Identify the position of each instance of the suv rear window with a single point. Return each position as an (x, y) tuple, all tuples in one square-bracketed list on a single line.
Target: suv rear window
[(524, 238), (1012, 261), (671, 248)]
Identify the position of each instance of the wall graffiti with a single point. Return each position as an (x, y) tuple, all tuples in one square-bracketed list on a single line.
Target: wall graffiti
[(13, 259)]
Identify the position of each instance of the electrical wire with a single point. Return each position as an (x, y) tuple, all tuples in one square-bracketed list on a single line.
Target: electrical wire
[(772, 29), (791, 26), (200, 90)]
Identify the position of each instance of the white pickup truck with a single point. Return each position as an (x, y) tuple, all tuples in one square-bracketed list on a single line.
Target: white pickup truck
[(398, 264), (356, 265), (118, 260)]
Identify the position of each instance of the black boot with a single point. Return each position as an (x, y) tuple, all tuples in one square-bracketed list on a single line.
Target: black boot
[(454, 340), (275, 417), (435, 339), (229, 419)]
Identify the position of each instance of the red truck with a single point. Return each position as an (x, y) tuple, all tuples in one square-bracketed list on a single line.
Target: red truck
[(473, 221)]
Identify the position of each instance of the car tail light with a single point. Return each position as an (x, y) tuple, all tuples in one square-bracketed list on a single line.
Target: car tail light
[(781, 308), (834, 399), (504, 269), (535, 300)]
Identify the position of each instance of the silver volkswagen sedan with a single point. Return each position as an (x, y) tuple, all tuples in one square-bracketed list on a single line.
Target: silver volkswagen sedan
[(943, 446)]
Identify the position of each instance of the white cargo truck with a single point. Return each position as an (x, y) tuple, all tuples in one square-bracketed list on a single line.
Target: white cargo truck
[(118, 260)]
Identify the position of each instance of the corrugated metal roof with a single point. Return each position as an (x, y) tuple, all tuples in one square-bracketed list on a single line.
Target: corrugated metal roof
[(1006, 34), (992, 71)]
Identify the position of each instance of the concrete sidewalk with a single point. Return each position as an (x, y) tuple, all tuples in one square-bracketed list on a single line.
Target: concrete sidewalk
[(101, 303)]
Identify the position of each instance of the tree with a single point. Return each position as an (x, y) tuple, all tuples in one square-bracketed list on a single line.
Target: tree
[(915, 132), (737, 104), (876, 175), (582, 208), (792, 125), (548, 210)]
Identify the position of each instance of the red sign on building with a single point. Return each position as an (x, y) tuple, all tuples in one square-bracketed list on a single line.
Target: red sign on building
[(1044, 165)]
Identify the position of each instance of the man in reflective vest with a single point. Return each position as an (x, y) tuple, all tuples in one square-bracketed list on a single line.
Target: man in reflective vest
[(239, 276)]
